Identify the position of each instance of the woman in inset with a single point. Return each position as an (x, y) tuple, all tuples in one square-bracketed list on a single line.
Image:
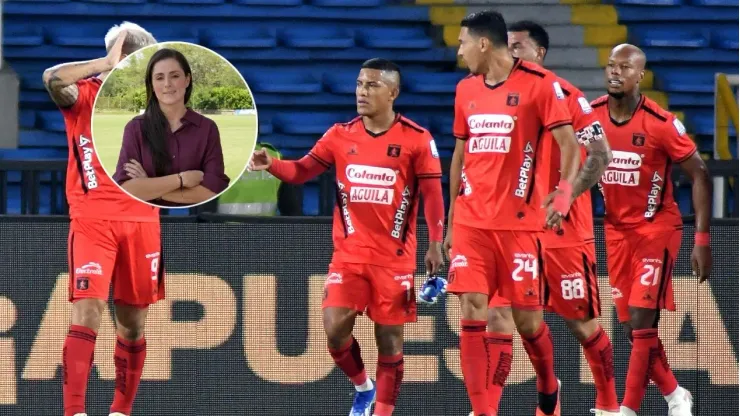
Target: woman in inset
[(171, 155)]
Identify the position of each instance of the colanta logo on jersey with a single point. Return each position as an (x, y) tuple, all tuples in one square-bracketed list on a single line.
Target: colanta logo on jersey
[(91, 179), (370, 175), (624, 169), (494, 130), (525, 170), (656, 189)]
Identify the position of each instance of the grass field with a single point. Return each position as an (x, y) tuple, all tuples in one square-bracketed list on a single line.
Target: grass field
[(238, 136)]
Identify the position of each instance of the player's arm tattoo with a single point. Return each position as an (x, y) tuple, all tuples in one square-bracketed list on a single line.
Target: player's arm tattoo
[(598, 159), (63, 95)]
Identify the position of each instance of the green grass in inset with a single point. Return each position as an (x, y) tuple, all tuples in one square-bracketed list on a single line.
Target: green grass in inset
[(238, 136)]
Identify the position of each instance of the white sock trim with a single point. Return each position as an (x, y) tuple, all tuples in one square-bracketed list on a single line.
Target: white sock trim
[(366, 386)]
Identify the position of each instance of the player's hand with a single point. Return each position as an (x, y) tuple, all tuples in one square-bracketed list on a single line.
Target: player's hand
[(134, 169), (191, 178), (261, 160), (554, 217), (701, 262), (447, 245), (116, 52), (433, 258)]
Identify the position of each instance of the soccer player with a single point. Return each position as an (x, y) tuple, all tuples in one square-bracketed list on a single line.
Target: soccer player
[(501, 111), (643, 224), (383, 161), (569, 255), (113, 238)]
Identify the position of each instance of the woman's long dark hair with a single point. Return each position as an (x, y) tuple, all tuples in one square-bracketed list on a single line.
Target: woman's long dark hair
[(155, 124)]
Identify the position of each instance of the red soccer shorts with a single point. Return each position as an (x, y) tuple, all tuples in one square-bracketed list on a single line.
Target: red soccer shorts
[(640, 263), (127, 254), (484, 261), (571, 283), (386, 294)]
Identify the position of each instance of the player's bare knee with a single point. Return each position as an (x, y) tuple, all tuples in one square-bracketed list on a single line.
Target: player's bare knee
[(389, 339), (641, 318), (500, 320), (527, 321), (338, 325), (582, 329), (87, 313), (474, 306), (130, 321)]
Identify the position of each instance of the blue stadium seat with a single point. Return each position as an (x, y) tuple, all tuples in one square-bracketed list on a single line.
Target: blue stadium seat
[(115, 1), (433, 82), (175, 34), (684, 81), (669, 39), (27, 119), (283, 82), (340, 82), (725, 39), (33, 154), (648, 2), (347, 3), (311, 199), (22, 35), (77, 35), (270, 2), (442, 128), (690, 56), (320, 37), (306, 123), (41, 138), (394, 38), (243, 37), (630, 13), (690, 99), (51, 121), (265, 126), (721, 3), (198, 2)]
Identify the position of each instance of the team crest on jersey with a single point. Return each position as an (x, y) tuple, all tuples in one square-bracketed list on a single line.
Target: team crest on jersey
[(512, 100), (394, 150), (638, 139), (83, 283), (352, 150), (471, 106)]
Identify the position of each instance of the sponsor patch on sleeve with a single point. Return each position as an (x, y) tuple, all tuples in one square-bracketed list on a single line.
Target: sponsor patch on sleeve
[(679, 127), (433, 148), (558, 90), (585, 106)]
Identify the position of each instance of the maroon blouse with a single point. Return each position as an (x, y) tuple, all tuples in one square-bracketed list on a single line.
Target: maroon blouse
[(196, 145)]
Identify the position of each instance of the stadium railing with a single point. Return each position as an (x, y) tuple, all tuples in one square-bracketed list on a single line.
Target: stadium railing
[(46, 179), (240, 329), (725, 111)]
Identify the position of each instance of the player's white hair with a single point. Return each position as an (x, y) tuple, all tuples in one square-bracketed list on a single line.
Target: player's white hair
[(136, 38)]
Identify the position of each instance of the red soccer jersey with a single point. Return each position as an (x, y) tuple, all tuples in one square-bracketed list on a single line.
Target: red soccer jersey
[(637, 185), (377, 189), (578, 227), (90, 192), (503, 126)]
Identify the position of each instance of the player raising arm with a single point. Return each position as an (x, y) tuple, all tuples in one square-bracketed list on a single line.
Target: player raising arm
[(501, 109), (383, 161), (643, 224), (112, 239)]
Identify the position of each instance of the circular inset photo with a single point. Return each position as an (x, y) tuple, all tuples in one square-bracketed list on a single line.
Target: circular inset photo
[(174, 125)]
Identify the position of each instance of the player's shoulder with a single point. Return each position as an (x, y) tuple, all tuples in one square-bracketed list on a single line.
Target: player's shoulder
[(661, 118), (600, 103), (412, 128), (533, 71), (344, 128), (569, 89), (467, 81)]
